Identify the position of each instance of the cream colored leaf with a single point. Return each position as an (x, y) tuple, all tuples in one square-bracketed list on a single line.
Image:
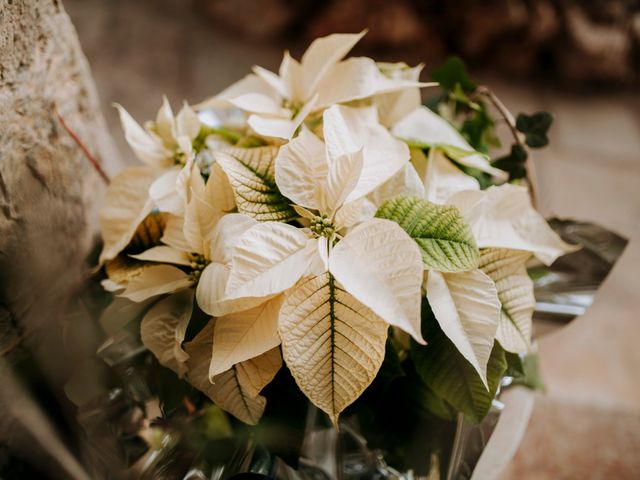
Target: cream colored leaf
[(338, 136), (503, 217), (515, 290), (156, 280), (357, 78), (187, 123), (272, 127), (249, 84), (218, 191), (212, 284), (163, 254), (301, 169), (125, 206), (226, 391), (422, 126), (332, 344), (271, 79), (258, 103), (245, 335), (147, 147), (467, 308), (381, 266), (164, 193), (256, 373), (290, 72), (226, 234), (120, 312), (251, 173), (406, 182), (394, 106), (269, 258), (163, 328), (173, 234), (321, 55), (165, 123), (383, 155), (443, 179)]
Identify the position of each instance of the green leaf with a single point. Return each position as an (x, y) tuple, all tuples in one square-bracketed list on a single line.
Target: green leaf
[(453, 72), (513, 162), (445, 240), (251, 173), (535, 128), (450, 375)]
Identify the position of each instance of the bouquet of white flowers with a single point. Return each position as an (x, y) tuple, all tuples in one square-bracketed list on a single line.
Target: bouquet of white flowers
[(323, 222)]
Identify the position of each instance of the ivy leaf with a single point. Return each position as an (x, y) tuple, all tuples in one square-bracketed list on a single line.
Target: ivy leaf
[(513, 162), (507, 268), (453, 72), (331, 342), (450, 376), (251, 173), (445, 241), (535, 128)]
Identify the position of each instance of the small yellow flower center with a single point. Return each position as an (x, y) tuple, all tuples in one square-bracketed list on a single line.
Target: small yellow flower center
[(197, 265), (292, 105), (322, 226)]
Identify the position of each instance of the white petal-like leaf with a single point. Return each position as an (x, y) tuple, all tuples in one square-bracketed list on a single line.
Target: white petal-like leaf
[(383, 155), (507, 268), (226, 392), (424, 127), (258, 103), (165, 195), (269, 258), (394, 106), (251, 83), (321, 55), (301, 169), (251, 172), (125, 206), (163, 254), (156, 280), (245, 335), (332, 344), (272, 126), (381, 266), (467, 308), (163, 328), (443, 179), (148, 148), (356, 78), (503, 217), (256, 373)]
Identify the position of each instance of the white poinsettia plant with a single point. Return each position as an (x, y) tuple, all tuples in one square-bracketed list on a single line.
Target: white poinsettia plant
[(319, 217)]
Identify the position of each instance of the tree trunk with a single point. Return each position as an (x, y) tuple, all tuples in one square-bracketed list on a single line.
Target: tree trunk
[(49, 191)]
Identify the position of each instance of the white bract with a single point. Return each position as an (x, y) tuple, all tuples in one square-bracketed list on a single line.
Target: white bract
[(376, 261), (278, 104), (312, 229)]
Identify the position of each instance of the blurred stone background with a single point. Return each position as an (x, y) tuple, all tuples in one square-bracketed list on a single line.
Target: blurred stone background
[(579, 60)]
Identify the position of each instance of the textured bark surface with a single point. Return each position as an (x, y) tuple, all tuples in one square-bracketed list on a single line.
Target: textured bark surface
[(49, 192)]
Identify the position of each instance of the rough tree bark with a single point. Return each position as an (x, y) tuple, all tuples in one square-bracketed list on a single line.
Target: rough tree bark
[(49, 192)]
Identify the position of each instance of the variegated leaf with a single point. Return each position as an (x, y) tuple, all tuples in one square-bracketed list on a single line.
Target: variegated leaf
[(251, 173), (445, 240), (515, 290), (226, 391), (332, 343)]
